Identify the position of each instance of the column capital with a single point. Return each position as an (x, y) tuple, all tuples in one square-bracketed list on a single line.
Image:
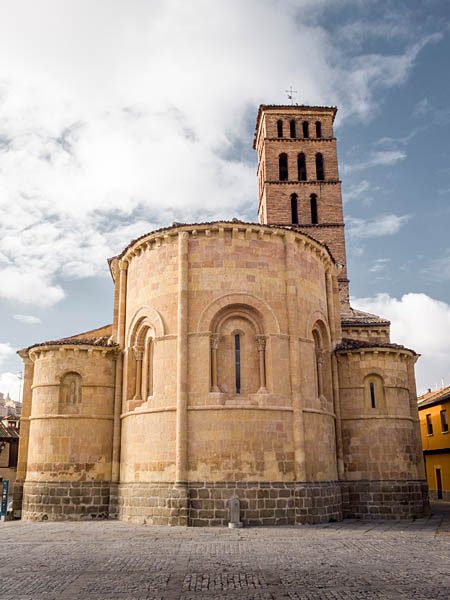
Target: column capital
[(260, 342), (138, 352), (214, 341)]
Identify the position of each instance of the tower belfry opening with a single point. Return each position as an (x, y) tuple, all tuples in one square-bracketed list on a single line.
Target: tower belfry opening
[(304, 164)]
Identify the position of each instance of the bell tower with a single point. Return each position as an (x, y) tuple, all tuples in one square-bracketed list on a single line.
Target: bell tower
[(298, 179)]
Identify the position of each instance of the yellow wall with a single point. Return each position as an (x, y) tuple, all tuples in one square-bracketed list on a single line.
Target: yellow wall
[(438, 440)]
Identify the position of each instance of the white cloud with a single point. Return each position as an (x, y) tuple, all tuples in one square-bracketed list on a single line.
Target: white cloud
[(30, 319), (376, 227), (6, 351), (421, 323), (379, 265), (9, 383), (115, 116), (385, 158), (355, 191)]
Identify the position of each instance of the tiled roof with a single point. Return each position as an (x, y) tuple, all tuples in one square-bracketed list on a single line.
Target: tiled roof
[(99, 341), (233, 222), (349, 344), (353, 317), (435, 397), (8, 433)]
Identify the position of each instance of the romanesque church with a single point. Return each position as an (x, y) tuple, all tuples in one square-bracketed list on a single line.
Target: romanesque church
[(234, 368)]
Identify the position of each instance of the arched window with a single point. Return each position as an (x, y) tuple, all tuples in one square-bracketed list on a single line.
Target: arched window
[(318, 129), (280, 128), (318, 362), (70, 393), (301, 167), (314, 212), (294, 209), (147, 369), (305, 129), (319, 167), (374, 392), (292, 129), (283, 165), (237, 362)]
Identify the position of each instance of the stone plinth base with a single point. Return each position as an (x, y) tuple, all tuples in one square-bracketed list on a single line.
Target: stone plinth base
[(56, 501), (152, 503), (17, 499), (206, 504), (385, 499)]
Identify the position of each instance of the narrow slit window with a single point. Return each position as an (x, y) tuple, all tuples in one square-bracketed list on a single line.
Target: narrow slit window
[(292, 129), (294, 209), (305, 129), (283, 167), (429, 425), (372, 394), (314, 213), (320, 175), (301, 167), (280, 128), (237, 359), (318, 129), (444, 421)]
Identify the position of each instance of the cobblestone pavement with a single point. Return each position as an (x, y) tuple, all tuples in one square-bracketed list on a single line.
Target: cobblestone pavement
[(114, 560)]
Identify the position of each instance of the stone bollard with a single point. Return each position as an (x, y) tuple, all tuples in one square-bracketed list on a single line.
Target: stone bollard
[(235, 513)]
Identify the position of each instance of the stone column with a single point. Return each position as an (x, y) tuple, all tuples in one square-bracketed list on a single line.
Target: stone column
[(121, 318), (320, 361), (337, 412), (24, 430), (294, 360), (182, 360), (261, 346), (138, 355), (116, 427), (214, 342), (330, 307)]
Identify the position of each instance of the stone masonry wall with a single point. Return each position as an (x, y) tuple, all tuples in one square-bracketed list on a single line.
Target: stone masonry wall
[(384, 499), (55, 501)]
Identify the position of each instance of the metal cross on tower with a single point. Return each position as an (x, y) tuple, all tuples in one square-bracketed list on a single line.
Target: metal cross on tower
[(290, 94)]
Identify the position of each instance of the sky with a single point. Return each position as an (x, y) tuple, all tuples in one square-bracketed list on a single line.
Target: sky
[(118, 117)]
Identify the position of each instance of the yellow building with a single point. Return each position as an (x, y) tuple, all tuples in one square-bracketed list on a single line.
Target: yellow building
[(434, 409)]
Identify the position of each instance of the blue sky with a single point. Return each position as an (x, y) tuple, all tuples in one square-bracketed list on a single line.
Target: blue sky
[(99, 101)]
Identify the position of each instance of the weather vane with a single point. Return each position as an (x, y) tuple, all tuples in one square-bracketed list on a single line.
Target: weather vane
[(290, 94)]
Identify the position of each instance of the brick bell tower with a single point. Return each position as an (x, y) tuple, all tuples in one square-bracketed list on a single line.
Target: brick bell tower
[(298, 179)]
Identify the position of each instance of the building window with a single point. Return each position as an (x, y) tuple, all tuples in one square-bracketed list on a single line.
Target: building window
[(280, 128), (70, 393), (292, 129), (294, 209), (283, 165), (237, 360), (429, 425), (305, 129), (372, 394), (314, 213), (301, 167), (318, 129), (319, 167), (444, 421)]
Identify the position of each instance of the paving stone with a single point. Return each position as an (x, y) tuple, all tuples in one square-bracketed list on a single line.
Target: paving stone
[(113, 560)]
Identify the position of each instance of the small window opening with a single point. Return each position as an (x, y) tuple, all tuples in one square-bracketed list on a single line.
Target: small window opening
[(292, 129), (305, 129), (314, 213), (237, 358), (429, 425), (372, 394), (301, 167), (319, 167), (283, 166), (294, 209), (444, 421), (318, 129), (280, 128)]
